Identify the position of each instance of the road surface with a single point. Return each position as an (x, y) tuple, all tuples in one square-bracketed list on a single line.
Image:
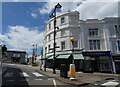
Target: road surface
[(19, 76)]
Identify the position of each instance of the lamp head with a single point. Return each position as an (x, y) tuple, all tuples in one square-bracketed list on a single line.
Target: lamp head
[(72, 39), (58, 6)]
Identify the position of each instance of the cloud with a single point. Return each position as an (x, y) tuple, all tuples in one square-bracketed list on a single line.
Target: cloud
[(34, 15), (22, 38), (66, 6), (87, 8), (98, 10)]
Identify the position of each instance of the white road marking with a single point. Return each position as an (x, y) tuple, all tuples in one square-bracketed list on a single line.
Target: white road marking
[(79, 72), (110, 83), (11, 64), (37, 74), (9, 74), (50, 78), (54, 82), (38, 79), (24, 74)]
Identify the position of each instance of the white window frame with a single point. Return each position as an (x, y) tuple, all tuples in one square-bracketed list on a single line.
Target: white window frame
[(62, 20), (93, 45), (18, 55), (45, 50), (63, 46), (49, 37), (49, 46), (76, 44), (93, 32), (49, 26), (62, 32), (118, 45)]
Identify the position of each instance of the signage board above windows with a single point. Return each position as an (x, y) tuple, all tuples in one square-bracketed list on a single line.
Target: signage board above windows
[(102, 53)]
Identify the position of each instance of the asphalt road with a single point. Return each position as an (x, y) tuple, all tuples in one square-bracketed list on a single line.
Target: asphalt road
[(18, 76)]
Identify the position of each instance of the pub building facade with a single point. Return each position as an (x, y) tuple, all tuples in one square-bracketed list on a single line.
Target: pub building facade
[(98, 62), (99, 41)]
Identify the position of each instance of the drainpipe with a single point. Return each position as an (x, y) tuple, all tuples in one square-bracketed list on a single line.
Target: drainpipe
[(113, 70)]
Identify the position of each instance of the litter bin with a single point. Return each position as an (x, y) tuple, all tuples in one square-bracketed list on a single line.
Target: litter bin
[(63, 71)]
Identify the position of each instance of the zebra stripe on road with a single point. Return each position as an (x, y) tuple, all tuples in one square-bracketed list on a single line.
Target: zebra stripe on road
[(37, 74), (110, 83), (24, 74)]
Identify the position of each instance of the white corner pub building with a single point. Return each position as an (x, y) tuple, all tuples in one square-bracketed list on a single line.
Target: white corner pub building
[(96, 46)]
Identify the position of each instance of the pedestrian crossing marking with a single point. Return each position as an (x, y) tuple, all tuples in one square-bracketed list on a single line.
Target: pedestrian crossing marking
[(10, 64), (110, 83), (24, 74), (37, 74), (38, 79)]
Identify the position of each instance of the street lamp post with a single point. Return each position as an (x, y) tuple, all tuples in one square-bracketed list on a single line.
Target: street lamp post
[(72, 41), (33, 54), (54, 15), (72, 66), (45, 62)]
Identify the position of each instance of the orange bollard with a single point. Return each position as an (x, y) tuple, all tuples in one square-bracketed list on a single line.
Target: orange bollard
[(72, 71)]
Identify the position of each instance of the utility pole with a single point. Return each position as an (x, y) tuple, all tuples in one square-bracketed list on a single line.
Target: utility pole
[(53, 15)]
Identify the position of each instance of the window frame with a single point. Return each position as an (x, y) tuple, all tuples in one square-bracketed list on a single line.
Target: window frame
[(93, 32), (94, 45), (118, 45), (49, 37), (75, 45), (63, 46), (49, 47), (62, 32), (62, 20)]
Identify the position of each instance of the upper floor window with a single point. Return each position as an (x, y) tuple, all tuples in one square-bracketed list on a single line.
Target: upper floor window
[(16, 55), (49, 37), (93, 32), (118, 45), (13, 55), (75, 44), (119, 28), (62, 20), (45, 39), (62, 45), (45, 49), (94, 44), (48, 48), (49, 26), (116, 29), (62, 32)]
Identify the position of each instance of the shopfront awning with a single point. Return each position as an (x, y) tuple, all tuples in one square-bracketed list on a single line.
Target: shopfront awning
[(63, 56), (78, 56), (66, 56), (51, 57)]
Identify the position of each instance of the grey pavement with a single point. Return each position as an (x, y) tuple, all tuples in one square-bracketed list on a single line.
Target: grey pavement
[(86, 79)]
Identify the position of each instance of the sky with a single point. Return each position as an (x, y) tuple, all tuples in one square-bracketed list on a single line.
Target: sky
[(22, 22)]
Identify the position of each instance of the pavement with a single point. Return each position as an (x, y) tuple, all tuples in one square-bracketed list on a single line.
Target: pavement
[(82, 79)]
